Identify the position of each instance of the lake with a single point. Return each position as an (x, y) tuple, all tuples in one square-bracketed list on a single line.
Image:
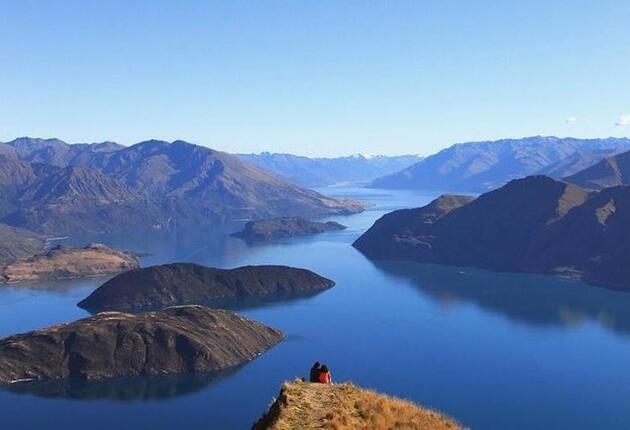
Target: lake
[(493, 350)]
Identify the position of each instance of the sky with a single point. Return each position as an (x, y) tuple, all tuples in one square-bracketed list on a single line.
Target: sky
[(314, 77)]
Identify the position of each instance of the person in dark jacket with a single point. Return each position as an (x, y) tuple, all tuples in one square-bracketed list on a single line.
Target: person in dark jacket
[(315, 372)]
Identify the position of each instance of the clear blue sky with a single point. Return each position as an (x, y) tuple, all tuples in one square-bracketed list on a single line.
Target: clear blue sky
[(312, 76)]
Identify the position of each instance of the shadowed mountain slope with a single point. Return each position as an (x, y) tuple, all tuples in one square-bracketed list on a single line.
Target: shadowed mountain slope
[(609, 172), (536, 224)]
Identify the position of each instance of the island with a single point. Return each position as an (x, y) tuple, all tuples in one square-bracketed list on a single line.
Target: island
[(536, 224), (63, 262), (187, 283), (283, 227), (175, 340), (303, 405)]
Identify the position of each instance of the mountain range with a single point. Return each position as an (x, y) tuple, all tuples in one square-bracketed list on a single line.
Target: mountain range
[(482, 166), (53, 187), (535, 224), (319, 172)]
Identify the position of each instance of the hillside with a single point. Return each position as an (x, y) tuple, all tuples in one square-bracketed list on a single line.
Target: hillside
[(57, 200), (212, 181), (18, 243), (187, 283), (321, 171), (609, 172), (175, 340), (481, 166), (536, 224), (303, 405), (577, 162), (62, 263), (151, 184)]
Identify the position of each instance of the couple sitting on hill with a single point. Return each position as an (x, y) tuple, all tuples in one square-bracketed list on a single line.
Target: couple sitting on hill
[(321, 374)]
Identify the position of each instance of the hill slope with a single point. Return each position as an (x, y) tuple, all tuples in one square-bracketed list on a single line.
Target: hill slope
[(62, 263), (153, 183), (175, 340), (536, 224), (18, 243), (187, 283), (212, 180), (481, 166), (57, 200), (609, 172), (303, 405)]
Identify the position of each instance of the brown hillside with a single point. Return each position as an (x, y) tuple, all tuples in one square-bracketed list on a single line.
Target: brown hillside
[(302, 405)]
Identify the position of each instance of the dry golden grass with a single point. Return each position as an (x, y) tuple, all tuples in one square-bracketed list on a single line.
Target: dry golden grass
[(302, 405)]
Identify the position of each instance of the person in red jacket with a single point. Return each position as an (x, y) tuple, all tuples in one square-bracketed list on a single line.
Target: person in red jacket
[(324, 375)]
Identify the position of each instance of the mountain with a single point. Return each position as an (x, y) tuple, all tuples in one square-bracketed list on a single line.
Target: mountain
[(536, 224), (186, 283), (18, 243), (301, 405), (62, 262), (481, 166), (320, 172), (153, 183), (609, 172), (216, 182), (62, 200), (277, 228), (175, 340), (56, 152)]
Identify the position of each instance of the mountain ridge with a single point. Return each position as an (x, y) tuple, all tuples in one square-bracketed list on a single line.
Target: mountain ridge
[(535, 224), (484, 165), (153, 183)]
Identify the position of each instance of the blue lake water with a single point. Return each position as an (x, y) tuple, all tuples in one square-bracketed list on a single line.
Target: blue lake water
[(494, 350)]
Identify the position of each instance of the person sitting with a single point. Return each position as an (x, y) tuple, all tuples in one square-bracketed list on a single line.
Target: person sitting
[(324, 375), (315, 372)]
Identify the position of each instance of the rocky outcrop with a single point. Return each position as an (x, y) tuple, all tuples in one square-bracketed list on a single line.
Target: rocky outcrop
[(184, 283), (278, 228), (535, 224), (174, 340), (302, 405), (61, 263), (18, 243)]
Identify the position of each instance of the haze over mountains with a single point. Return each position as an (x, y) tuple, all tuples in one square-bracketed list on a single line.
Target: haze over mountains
[(318, 172), (536, 224), (481, 166), (53, 187)]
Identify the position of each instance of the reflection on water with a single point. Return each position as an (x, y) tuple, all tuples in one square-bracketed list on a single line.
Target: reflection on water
[(152, 387), (495, 350), (532, 299)]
